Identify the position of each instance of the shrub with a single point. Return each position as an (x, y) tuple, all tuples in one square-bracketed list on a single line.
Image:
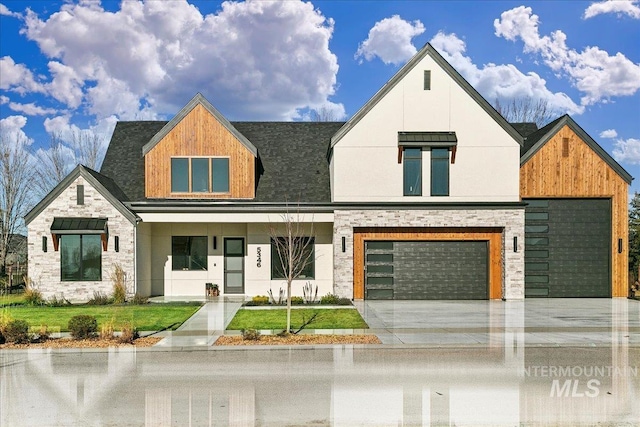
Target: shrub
[(118, 277), (250, 334), (310, 294), (17, 331), (297, 300), (106, 329), (43, 333), (139, 299), (5, 318), (329, 299), (33, 296), (99, 298), (129, 333), (83, 326), (54, 301), (343, 301), (258, 300)]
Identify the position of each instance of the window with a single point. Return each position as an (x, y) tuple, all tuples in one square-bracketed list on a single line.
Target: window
[(427, 79), (200, 175), (308, 272), (80, 194), (439, 171), (412, 168), (189, 252), (80, 257)]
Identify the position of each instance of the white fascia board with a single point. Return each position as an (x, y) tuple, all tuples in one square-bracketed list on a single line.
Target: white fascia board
[(234, 217)]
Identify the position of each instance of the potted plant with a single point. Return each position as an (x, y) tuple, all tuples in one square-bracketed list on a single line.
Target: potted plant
[(212, 290)]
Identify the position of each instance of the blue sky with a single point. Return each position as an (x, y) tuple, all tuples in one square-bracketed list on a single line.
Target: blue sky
[(70, 67)]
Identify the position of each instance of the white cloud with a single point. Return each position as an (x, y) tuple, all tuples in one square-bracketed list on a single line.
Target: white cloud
[(31, 109), (252, 60), (619, 7), (4, 11), (12, 126), (593, 71), (390, 40), (503, 82), (4, 99), (609, 134), (627, 151), (17, 77)]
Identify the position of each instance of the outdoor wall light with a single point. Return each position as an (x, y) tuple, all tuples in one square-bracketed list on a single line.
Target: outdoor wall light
[(215, 242), (619, 246), (344, 244), (44, 243), (116, 243), (515, 243)]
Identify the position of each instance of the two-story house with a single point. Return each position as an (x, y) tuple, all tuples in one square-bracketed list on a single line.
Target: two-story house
[(425, 193)]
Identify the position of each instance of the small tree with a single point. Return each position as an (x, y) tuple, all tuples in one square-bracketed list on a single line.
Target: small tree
[(294, 247)]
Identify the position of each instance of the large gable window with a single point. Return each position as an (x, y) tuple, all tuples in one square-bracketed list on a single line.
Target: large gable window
[(80, 257), (189, 253), (81, 242), (442, 147), (200, 175)]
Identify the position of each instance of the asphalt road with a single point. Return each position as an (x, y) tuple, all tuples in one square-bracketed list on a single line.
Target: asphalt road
[(340, 386)]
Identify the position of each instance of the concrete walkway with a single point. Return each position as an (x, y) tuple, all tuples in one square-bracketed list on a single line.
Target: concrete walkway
[(533, 322)]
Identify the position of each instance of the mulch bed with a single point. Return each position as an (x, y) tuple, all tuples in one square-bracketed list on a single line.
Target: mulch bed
[(91, 343), (298, 340)]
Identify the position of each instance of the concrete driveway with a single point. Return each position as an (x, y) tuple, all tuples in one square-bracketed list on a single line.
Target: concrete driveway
[(532, 322)]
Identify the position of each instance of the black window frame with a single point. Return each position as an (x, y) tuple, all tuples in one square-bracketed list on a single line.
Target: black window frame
[(276, 266), (82, 261), (411, 156), (187, 253), (440, 171)]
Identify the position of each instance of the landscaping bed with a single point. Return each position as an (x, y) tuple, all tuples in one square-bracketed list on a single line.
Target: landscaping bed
[(87, 343), (305, 339)]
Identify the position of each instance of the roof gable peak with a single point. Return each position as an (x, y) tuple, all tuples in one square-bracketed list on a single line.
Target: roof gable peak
[(198, 99)]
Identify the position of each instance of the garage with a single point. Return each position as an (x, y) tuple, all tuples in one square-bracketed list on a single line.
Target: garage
[(568, 248), (439, 270)]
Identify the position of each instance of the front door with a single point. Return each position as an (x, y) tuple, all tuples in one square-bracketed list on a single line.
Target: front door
[(234, 265)]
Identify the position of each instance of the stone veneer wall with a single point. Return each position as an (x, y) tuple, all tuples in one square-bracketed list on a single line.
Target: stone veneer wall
[(44, 267), (511, 220)]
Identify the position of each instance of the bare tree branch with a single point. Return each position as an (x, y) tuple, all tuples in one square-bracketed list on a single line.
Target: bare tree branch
[(15, 179), (525, 110), (323, 114), (293, 242)]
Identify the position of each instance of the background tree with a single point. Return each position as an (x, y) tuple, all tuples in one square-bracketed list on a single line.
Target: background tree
[(525, 110), (322, 114), (634, 236), (15, 179), (294, 245), (60, 157)]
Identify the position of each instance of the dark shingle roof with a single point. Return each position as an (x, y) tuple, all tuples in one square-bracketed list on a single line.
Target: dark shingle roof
[(124, 162), (525, 128), (533, 138), (292, 158)]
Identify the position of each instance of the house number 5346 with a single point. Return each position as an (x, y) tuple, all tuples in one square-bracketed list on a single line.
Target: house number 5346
[(259, 260)]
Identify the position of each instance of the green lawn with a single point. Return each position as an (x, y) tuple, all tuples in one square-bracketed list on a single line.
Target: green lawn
[(341, 318), (148, 317), (11, 299)]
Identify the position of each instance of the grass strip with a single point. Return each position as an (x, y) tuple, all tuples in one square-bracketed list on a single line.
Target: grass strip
[(148, 317), (340, 318)]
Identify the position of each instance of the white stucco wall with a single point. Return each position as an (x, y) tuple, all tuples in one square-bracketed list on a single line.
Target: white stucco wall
[(165, 281), (143, 259), (365, 161), (44, 267)]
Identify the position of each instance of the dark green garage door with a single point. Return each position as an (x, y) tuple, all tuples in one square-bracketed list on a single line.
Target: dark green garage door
[(426, 270), (567, 248)]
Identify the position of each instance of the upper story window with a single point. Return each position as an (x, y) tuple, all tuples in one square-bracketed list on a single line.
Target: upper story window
[(439, 171), (200, 175), (412, 171)]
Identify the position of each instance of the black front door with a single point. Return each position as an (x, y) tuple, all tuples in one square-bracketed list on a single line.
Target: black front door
[(234, 265)]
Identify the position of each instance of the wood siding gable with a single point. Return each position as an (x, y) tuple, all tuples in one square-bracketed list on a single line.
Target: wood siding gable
[(567, 166), (200, 132)]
